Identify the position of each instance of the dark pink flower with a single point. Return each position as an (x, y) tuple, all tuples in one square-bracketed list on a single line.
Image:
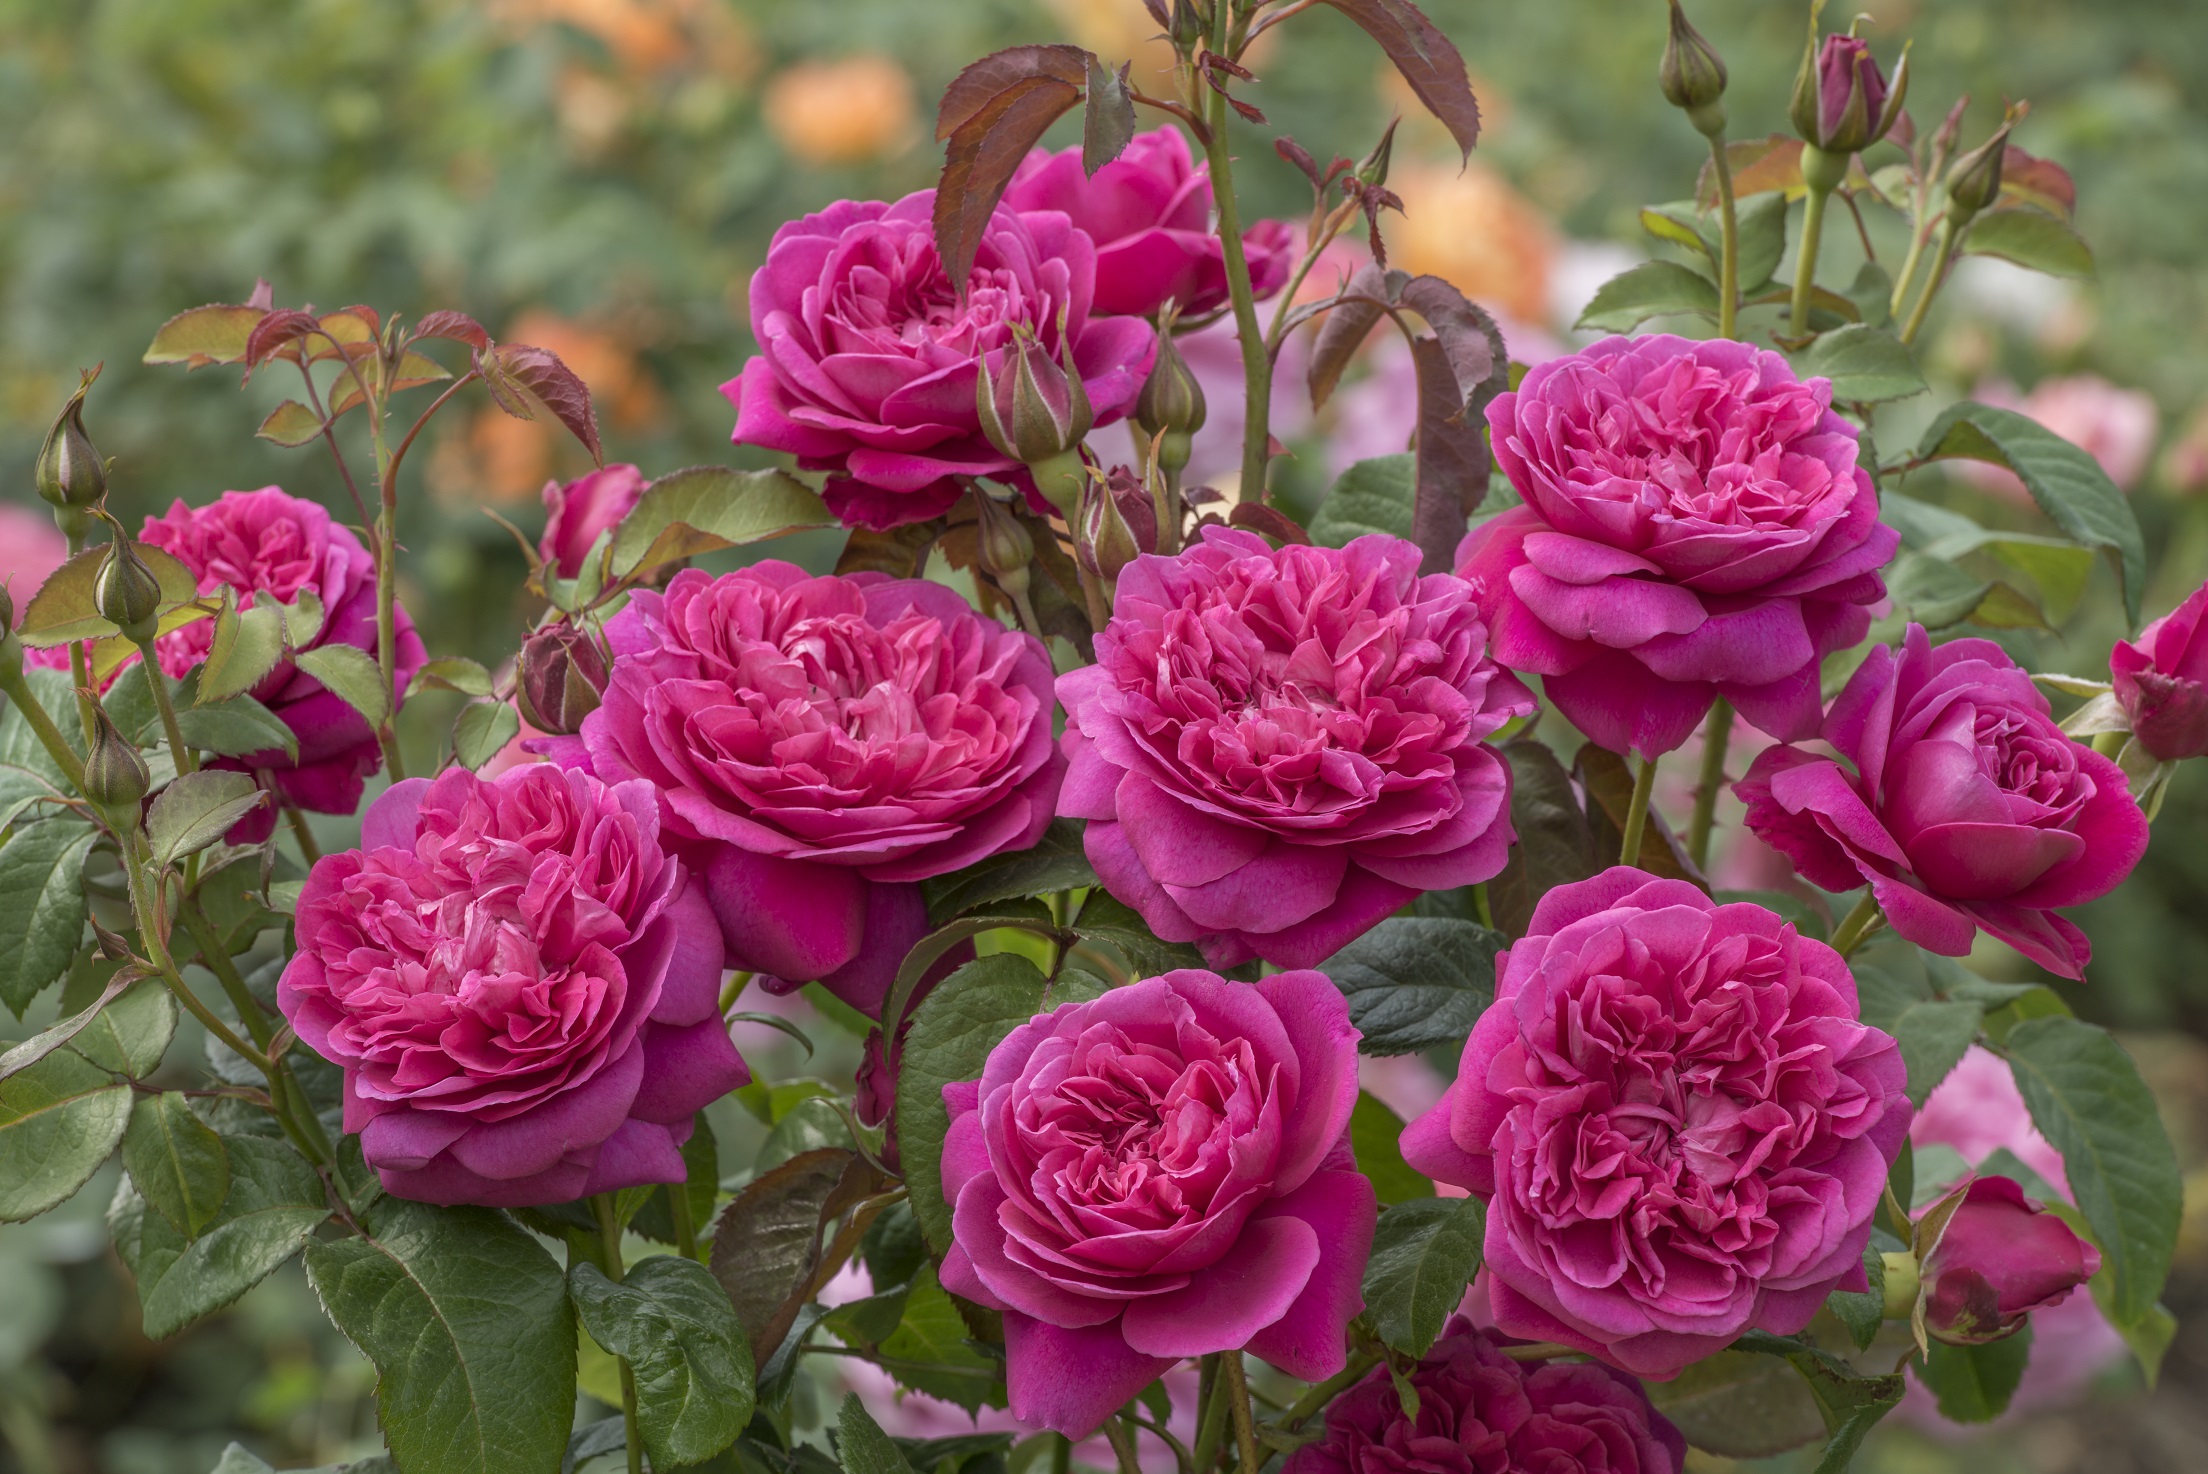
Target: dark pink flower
[(1695, 525), (824, 744), (2162, 681), (520, 985), (1479, 1412), (868, 354), (1967, 806), (1159, 1173), (1277, 748), (1149, 212), (1680, 1124), (2000, 1258), (580, 510), (1841, 101)]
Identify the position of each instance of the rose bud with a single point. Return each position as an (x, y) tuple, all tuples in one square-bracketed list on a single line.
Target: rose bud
[(126, 591), (562, 674), (1118, 524), (1003, 548), (1974, 180), (2001, 1257), (581, 510), (1037, 412), (1842, 102), (1172, 404), (2162, 681), (115, 776), (70, 473), (1693, 75)]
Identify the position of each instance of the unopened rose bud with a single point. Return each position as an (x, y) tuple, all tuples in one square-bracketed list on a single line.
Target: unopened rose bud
[(1031, 408), (1693, 75), (125, 590), (1372, 169), (1189, 24), (1105, 542), (1974, 180), (70, 472), (1003, 547), (1172, 403), (1842, 102), (115, 776), (561, 680), (2001, 1257)]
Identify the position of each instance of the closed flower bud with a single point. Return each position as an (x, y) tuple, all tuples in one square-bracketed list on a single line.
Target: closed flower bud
[(1032, 408), (1188, 24), (126, 591), (1003, 547), (115, 776), (1172, 402), (1372, 169), (561, 680), (1104, 541), (70, 471), (2001, 1257), (1974, 180), (1842, 101), (1693, 74)]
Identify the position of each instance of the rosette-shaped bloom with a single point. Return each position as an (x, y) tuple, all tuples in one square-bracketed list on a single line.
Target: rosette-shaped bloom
[(521, 986), (1276, 749), (578, 511), (868, 354), (2162, 681), (1479, 1412), (2001, 1257), (1967, 807), (825, 744), (1680, 1123), (1161, 1172), (1149, 212), (1695, 526)]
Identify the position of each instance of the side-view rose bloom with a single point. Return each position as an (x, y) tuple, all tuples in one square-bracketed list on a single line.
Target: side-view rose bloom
[(1149, 212), (1159, 1173), (2001, 1257), (579, 510), (2162, 681), (821, 745), (1967, 806), (1278, 748), (1479, 1412), (868, 353), (1695, 525), (520, 985), (1679, 1121)]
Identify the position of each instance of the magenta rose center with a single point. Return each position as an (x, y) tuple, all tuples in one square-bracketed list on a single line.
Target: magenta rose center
[(894, 297)]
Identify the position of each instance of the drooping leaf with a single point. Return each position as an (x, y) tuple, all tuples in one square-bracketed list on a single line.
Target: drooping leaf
[(1974, 1383), (768, 1243), (2031, 239), (1376, 495), (59, 1119), (450, 673), (1425, 58), (1460, 369), (1864, 1311), (992, 114), (457, 326), (124, 1034), (533, 384), (1346, 325), (1851, 1404), (177, 1161), (1651, 289), (674, 1326), (1424, 1252), (1416, 981), (197, 810), (1934, 1034), (42, 905), (352, 675), (703, 508), (1866, 365), (199, 336), (1057, 862), (1108, 119), (1555, 844), (291, 424), (1375, 1139)]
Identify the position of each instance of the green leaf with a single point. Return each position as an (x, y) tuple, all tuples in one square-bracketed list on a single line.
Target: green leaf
[(2066, 482), (238, 727), (675, 1328), (1107, 919), (198, 809), (42, 906), (27, 770), (1375, 495), (869, 1321), (116, 1023), (768, 1243), (275, 1201), (1872, 292), (865, 1448), (953, 1030), (352, 676), (1416, 981), (893, 1247), (482, 730), (931, 1350), (702, 508), (198, 336), (1762, 239), (65, 609), (291, 424), (1851, 1404), (177, 1161), (1867, 365), (467, 1321), (450, 673), (1933, 1033), (2086, 1097), (1974, 1383), (1424, 1252), (1375, 1139), (59, 1119), (2031, 239), (1107, 126), (1056, 863), (1863, 1311), (1651, 289), (1739, 1405), (248, 645), (701, 1189), (1555, 845), (1677, 224)]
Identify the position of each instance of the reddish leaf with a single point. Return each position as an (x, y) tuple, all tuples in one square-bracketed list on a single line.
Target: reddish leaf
[(1258, 517), (1300, 158), (457, 326), (1426, 58), (524, 380), (277, 331), (1452, 459), (976, 87), (1159, 13), (1108, 123), (354, 329), (984, 150), (1759, 166), (2028, 180), (1368, 295)]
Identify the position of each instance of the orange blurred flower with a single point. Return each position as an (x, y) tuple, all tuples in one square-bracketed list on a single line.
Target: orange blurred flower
[(647, 36), (849, 111), (1474, 230), (1117, 31)]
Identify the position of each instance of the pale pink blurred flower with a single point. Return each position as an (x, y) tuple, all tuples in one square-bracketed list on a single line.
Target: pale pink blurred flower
[(2185, 463), (1404, 1083), (31, 548), (2116, 426), (1214, 354)]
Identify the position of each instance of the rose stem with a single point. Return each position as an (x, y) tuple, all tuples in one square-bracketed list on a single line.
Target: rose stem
[(1236, 1389), (158, 680), (49, 736), (1123, 1444), (1636, 814), (1805, 261), (1858, 924), (300, 831), (1728, 274), (733, 989), (138, 866), (1211, 1420), (1942, 258), (1311, 1403), (1716, 737), (1061, 1453), (1257, 362), (609, 1253), (80, 676), (1539, 1351), (293, 1112)]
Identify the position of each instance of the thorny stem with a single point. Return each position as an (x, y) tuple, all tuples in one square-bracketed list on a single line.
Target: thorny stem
[(1636, 814), (1857, 924), (49, 736), (1212, 1418), (1805, 261), (385, 549), (609, 1253), (286, 1099), (1329, 228), (329, 438), (1236, 1389), (1308, 1406), (80, 677), (1942, 257), (159, 681), (1257, 363), (1716, 737), (1728, 283)]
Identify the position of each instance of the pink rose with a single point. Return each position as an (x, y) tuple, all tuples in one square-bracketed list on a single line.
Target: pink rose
[(1967, 807), (824, 744), (868, 356), (1160, 1173), (1843, 106), (1149, 212), (520, 985), (1479, 1412), (2162, 681), (2000, 1258), (1276, 749), (581, 510), (31, 548), (1680, 1124), (1695, 526)]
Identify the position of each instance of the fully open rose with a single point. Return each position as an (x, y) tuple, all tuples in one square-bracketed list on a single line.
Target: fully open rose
[(520, 985), (1278, 748), (1162, 1172), (1680, 1124)]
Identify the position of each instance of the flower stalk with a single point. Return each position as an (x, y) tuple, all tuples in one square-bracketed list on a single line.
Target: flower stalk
[(1636, 814), (1257, 359), (1717, 736)]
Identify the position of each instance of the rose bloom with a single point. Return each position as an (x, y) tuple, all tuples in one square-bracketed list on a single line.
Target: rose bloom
[(1149, 212), (868, 357), (31, 548), (1479, 1412), (1967, 807), (521, 986), (1695, 525), (1277, 748), (1159, 1173), (580, 510), (2000, 1258), (824, 744), (1680, 1124), (2162, 681)]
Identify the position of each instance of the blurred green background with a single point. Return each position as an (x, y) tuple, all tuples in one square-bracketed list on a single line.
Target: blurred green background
[(601, 176)]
